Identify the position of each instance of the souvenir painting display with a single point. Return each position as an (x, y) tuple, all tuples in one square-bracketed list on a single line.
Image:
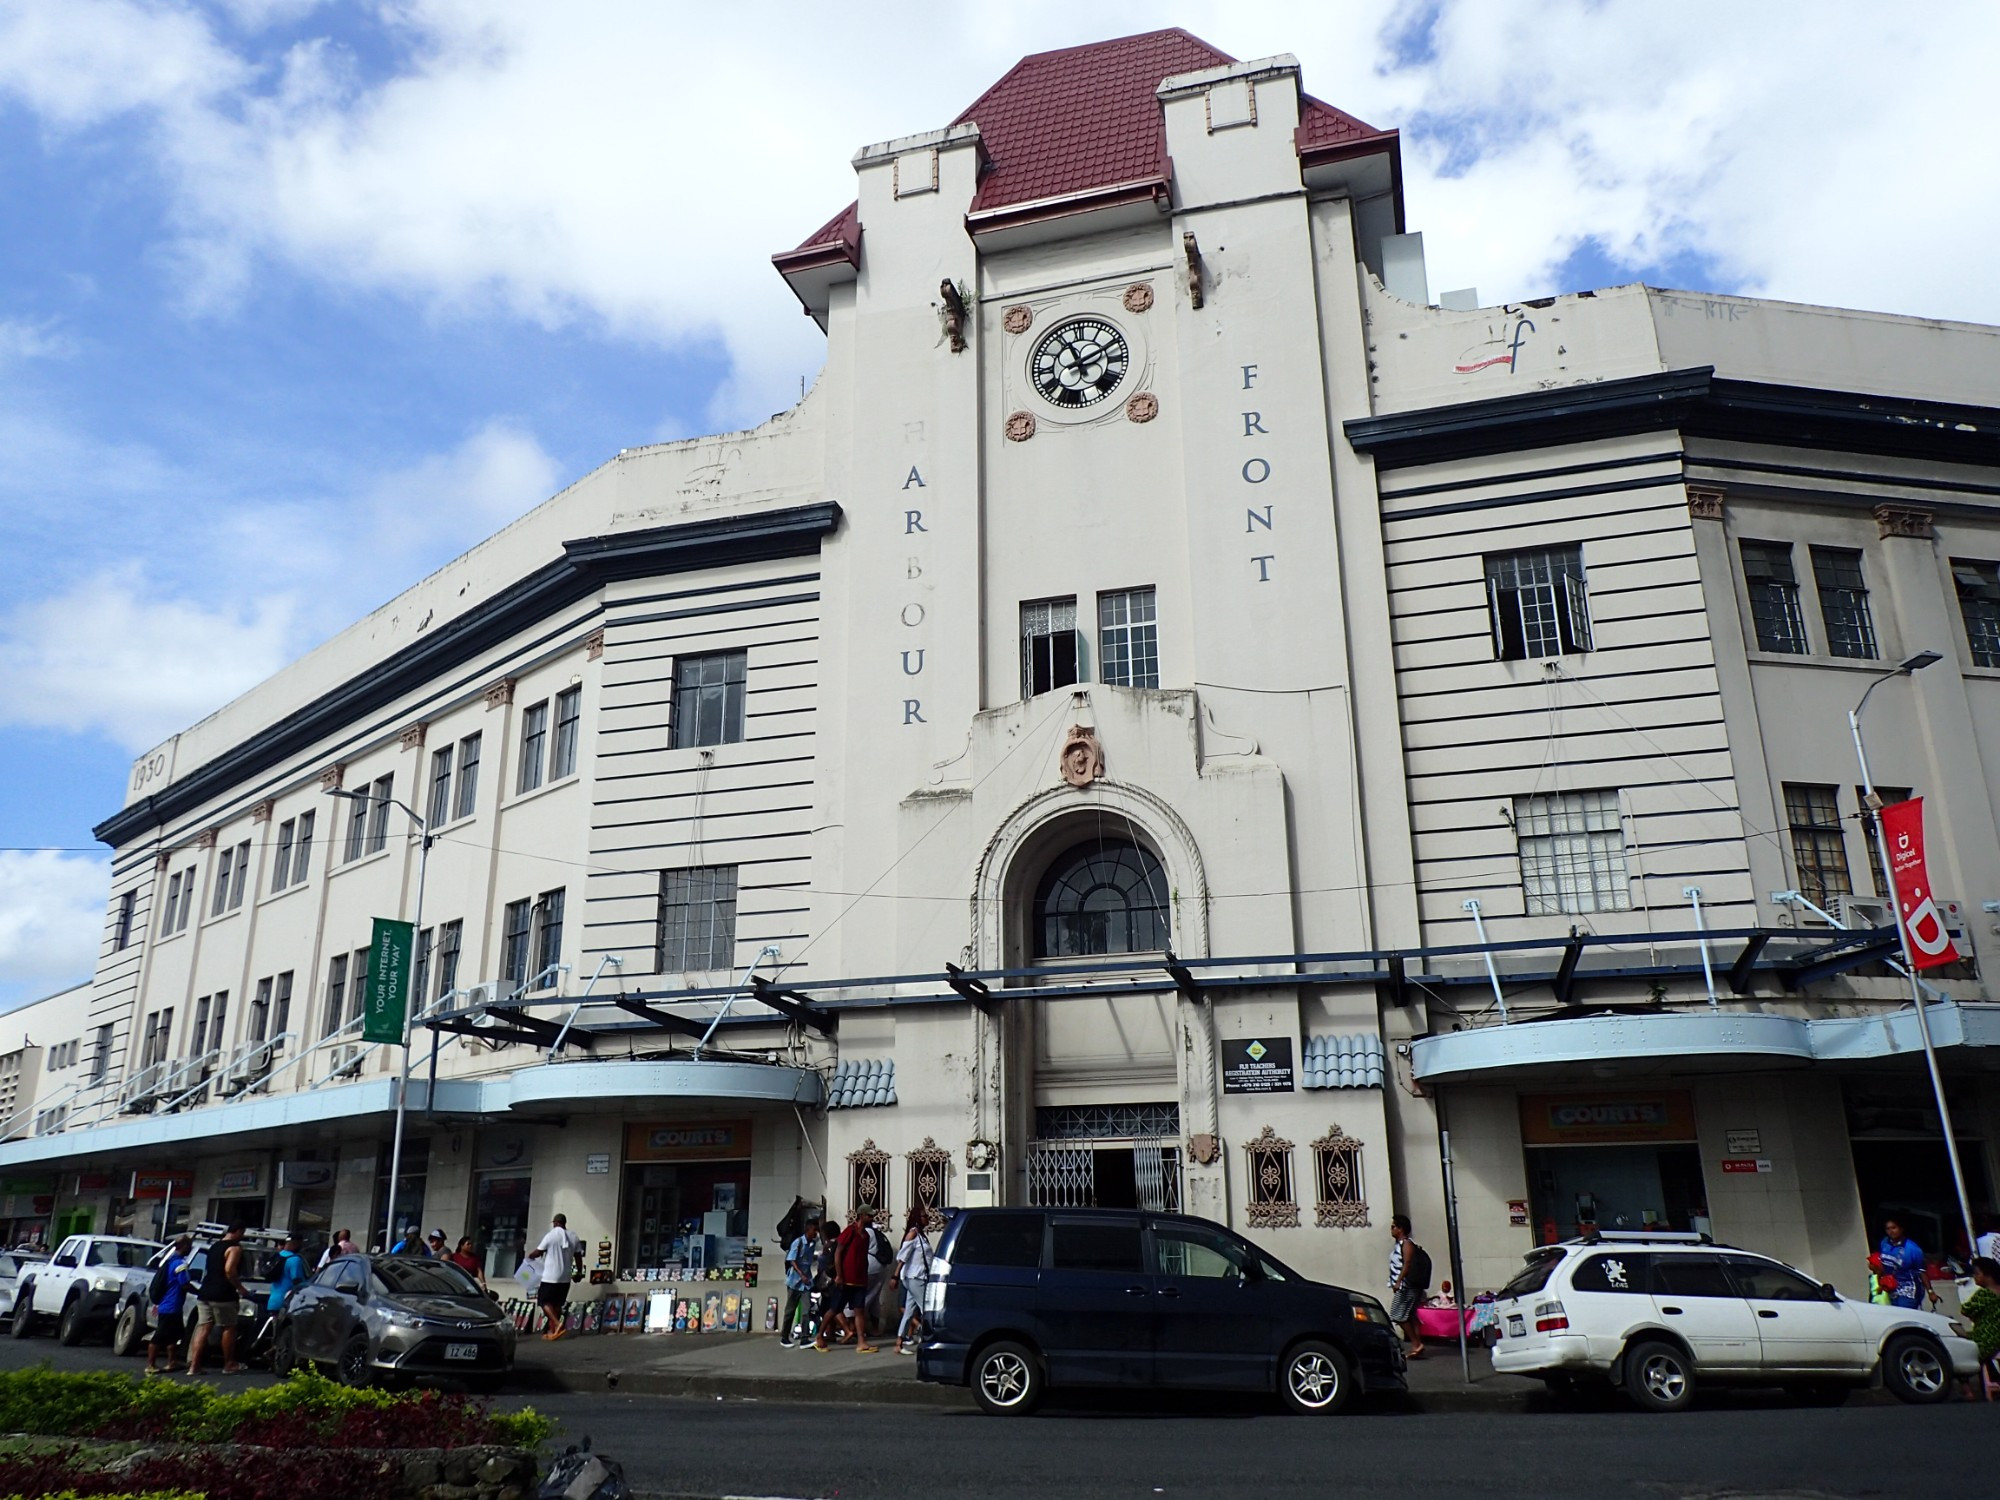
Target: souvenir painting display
[(660, 1313), (732, 1309), (770, 1315), (635, 1312), (711, 1312)]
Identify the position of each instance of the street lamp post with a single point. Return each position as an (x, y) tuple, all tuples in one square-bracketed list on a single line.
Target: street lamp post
[(1873, 804), (403, 1080)]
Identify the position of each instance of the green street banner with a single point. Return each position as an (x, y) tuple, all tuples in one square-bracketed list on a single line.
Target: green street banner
[(388, 980)]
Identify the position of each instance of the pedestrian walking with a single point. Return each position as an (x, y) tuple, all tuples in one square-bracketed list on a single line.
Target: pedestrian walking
[(558, 1250), (466, 1258), (169, 1296), (850, 1297), (1988, 1243), (1409, 1280), (1982, 1312), (1903, 1259), (799, 1257), (913, 1273), (218, 1300), (826, 1277), (881, 1280)]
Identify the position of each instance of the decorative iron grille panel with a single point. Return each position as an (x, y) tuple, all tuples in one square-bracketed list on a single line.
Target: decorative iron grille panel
[(1061, 1176), (1337, 1181), (930, 1181), (1107, 1122), (1272, 1203), (868, 1179)]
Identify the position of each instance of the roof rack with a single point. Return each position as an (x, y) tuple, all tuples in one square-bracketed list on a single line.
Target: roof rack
[(1642, 1237)]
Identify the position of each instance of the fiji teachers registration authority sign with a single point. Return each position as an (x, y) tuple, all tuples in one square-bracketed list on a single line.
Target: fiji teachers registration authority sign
[(1257, 1066)]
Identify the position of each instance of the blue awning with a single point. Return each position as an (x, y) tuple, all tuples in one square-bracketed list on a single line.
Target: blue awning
[(1720, 1040)]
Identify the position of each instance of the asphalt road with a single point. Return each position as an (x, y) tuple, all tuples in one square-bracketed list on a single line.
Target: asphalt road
[(1139, 1447)]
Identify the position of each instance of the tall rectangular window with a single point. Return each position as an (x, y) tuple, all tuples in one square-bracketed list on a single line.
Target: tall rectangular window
[(260, 1012), (697, 919), (171, 906), (1979, 606), (420, 971), (378, 812), (225, 866), (548, 935), (1128, 639), (1819, 846), (468, 777), (1048, 646), (187, 899), (198, 1043), (562, 752), (1537, 603), (281, 1006), (1774, 597), (514, 929), (1890, 795), (121, 929), (708, 698), (357, 830), (1843, 602), (450, 935), (218, 1023), (534, 739), (438, 810), (302, 851), (1572, 848), (281, 862), (240, 876), (100, 1055), (336, 992)]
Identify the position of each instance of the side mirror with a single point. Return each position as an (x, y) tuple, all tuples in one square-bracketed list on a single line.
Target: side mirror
[(1829, 1291)]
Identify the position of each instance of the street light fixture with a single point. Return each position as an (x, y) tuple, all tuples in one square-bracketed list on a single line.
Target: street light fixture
[(403, 1081), (1873, 803)]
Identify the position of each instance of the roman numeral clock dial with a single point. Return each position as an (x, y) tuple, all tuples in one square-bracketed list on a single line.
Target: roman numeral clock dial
[(1079, 363)]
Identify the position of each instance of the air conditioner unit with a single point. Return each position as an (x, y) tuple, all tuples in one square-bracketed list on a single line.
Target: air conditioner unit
[(346, 1060), (482, 994), (250, 1065), (1864, 912)]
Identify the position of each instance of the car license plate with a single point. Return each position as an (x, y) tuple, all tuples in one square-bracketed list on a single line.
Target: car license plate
[(461, 1351), (1516, 1328)]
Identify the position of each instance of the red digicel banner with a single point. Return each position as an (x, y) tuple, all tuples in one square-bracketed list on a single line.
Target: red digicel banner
[(1903, 827)]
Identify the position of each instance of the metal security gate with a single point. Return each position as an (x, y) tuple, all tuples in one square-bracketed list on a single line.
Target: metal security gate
[(1063, 1174)]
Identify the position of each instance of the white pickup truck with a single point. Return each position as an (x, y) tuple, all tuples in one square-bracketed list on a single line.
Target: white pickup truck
[(80, 1285)]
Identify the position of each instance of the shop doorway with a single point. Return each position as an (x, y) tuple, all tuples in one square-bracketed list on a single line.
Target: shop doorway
[(1901, 1168), (500, 1221), (1612, 1161), (690, 1214), (249, 1212)]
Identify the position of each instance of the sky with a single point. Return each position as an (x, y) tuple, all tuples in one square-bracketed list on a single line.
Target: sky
[(298, 300)]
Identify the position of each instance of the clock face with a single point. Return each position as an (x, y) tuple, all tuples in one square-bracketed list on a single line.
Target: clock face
[(1078, 363)]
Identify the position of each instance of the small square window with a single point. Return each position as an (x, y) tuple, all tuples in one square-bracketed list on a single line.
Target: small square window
[(1537, 603), (697, 920)]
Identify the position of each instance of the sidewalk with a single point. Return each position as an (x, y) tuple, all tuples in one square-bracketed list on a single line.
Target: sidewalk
[(754, 1366)]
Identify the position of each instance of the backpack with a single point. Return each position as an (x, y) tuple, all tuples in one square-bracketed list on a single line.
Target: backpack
[(156, 1289), (879, 1249), (794, 1222), (1417, 1267)]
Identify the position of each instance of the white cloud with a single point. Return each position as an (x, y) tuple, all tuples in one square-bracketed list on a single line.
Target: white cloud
[(22, 340), (52, 909)]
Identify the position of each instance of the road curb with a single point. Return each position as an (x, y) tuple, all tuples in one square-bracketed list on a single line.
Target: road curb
[(754, 1388)]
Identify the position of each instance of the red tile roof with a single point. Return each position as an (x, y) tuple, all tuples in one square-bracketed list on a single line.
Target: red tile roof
[(1083, 118)]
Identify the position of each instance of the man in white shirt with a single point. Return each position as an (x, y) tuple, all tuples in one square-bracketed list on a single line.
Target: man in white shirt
[(558, 1251)]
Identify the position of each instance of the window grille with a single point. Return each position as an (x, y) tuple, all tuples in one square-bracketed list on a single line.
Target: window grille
[(1106, 896), (1128, 638), (1843, 603), (1572, 848), (930, 1181), (868, 1179), (1272, 1203), (708, 699), (1048, 646), (1107, 1122), (1819, 844), (1337, 1184), (1774, 598), (1979, 606), (1537, 603), (697, 929)]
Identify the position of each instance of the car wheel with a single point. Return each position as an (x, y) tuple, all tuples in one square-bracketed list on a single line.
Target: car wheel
[(1659, 1376), (24, 1311), (70, 1324), (1007, 1380), (284, 1352), (352, 1366), (129, 1333), (1914, 1369), (1315, 1378), (1820, 1393)]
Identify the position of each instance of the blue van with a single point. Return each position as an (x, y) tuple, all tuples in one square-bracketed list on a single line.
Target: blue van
[(1022, 1299)]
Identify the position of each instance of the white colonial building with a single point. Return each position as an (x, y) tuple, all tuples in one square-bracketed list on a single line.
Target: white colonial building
[(1173, 718)]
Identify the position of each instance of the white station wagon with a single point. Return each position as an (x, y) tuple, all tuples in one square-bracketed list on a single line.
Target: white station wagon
[(1660, 1314)]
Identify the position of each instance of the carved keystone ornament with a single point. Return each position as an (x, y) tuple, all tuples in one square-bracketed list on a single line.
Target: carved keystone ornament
[(1082, 756)]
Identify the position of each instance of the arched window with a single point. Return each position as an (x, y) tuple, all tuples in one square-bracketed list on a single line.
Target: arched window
[(1101, 897)]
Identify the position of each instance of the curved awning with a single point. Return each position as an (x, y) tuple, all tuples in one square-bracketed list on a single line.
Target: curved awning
[(1701, 1041), (579, 1085)]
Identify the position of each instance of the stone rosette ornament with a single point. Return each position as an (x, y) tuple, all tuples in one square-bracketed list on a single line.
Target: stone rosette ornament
[(1143, 407), (1020, 427), (1138, 297), (1018, 319), (1082, 757)]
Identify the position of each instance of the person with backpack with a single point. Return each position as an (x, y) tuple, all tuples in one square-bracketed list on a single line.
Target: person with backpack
[(168, 1294), (798, 1283), (881, 1279), (1409, 1282), (847, 1307)]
